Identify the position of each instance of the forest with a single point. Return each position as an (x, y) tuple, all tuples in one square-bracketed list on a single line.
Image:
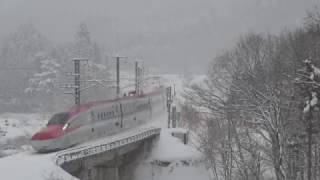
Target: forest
[(36, 72), (257, 113)]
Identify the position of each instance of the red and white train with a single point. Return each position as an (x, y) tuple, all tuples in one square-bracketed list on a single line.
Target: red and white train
[(98, 119)]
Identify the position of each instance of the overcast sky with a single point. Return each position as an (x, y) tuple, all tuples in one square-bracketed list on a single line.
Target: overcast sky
[(172, 35)]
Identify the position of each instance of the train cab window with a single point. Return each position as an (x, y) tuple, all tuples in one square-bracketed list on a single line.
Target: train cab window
[(59, 119)]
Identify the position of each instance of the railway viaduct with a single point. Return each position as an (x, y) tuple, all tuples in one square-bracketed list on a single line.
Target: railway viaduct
[(112, 159)]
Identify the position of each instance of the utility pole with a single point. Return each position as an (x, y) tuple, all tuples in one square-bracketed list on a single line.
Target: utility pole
[(118, 76), (136, 78), (174, 117), (118, 73), (77, 80), (79, 84), (169, 101)]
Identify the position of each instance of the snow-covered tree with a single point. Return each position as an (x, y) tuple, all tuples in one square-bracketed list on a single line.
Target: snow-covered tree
[(47, 78), (96, 82), (18, 58), (44, 85), (309, 81), (21, 46), (84, 47)]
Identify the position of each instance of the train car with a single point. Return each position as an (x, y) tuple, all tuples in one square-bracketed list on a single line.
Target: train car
[(93, 120)]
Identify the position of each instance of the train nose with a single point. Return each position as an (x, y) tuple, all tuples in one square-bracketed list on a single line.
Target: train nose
[(49, 132)]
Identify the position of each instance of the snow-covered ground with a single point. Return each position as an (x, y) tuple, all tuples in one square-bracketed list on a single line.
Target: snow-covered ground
[(170, 159), (32, 166), (16, 130), (21, 162)]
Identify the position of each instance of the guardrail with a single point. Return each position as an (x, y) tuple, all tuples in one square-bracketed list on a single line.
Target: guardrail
[(89, 150)]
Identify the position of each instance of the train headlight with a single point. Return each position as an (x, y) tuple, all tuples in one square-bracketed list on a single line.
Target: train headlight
[(65, 126)]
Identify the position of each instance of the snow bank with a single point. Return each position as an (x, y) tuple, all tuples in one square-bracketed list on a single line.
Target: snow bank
[(170, 159), (15, 132), (177, 130), (175, 171), (171, 149), (32, 166)]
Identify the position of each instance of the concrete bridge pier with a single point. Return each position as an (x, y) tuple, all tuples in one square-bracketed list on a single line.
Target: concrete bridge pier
[(100, 173), (108, 170), (106, 173)]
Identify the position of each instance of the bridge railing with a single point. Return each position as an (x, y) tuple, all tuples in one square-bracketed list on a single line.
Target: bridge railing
[(89, 150)]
